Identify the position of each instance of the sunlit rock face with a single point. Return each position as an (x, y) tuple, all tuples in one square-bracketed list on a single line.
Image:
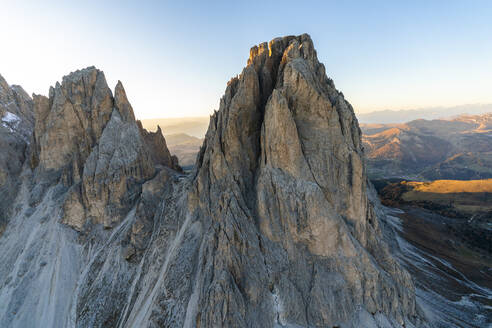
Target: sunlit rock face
[(92, 142), (280, 184), (71, 120), (275, 227)]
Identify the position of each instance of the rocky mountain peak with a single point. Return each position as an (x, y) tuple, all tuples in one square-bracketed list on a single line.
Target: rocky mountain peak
[(91, 140), (5, 89), (156, 143), (122, 104), (70, 122), (281, 181), (276, 226), (16, 112), (285, 72)]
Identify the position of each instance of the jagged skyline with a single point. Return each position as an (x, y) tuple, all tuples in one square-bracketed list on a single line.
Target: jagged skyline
[(384, 55), (275, 224)]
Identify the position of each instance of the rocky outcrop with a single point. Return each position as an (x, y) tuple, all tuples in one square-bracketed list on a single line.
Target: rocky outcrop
[(16, 124), (280, 184), (275, 227), (112, 175), (16, 110), (158, 149), (92, 141), (91, 190), (70, 122)]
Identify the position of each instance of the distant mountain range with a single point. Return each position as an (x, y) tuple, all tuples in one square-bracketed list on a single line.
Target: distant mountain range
[(193, 126), (459, 148), (197, 126), (185, 147), (184, 136), (431, 113)]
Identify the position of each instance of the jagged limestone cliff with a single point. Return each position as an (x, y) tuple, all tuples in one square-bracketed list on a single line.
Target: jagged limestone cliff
[(16, 124), (273, 228), (281, 187)]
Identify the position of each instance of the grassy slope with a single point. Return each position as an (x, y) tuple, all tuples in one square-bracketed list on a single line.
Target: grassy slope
[(467, 197), (467, 203), (452, 186)]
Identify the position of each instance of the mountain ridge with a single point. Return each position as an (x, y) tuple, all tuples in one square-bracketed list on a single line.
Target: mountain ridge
[(276, 225), (389, 116), (455, 148)]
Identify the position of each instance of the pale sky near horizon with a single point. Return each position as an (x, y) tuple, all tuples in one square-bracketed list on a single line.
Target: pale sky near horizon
[(175, 58)]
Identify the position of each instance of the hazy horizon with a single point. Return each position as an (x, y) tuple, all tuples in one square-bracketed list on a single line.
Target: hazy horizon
[(175, 59), (357, 113), (197, 126)]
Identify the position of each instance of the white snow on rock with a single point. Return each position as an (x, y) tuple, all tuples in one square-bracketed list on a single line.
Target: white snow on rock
[(10, 118)]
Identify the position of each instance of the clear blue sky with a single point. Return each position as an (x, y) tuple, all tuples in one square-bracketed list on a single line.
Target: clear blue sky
[(174, 58)]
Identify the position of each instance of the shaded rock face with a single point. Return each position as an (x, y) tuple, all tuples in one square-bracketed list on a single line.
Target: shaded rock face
[(276, 226), (16, 125), (14, 100), (159, 151)]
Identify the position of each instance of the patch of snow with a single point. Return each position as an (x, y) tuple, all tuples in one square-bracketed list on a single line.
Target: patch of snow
[(10, 121), (13, 124), (10, 118)]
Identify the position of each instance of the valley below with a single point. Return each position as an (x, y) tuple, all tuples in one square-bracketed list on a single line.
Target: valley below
[(445, 241), (456, 148), (433, 176), (453, 279)]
